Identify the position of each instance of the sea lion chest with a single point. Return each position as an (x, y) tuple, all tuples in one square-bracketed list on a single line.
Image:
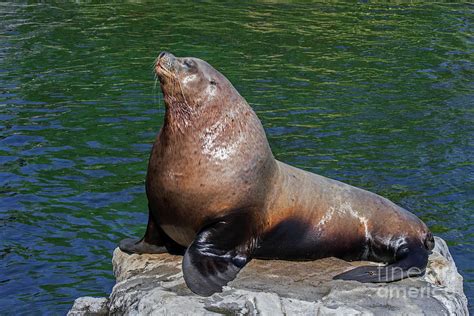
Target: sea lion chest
[(177, 189), (191, 180)]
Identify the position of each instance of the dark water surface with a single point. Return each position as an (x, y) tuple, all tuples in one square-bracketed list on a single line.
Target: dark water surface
[(379, 96)]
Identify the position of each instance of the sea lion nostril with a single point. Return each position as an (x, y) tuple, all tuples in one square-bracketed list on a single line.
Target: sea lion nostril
[(162, 54)]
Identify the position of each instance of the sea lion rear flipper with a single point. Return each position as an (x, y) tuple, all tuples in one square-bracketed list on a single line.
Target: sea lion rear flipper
[(411, 260), (217, 254), (154, 241)]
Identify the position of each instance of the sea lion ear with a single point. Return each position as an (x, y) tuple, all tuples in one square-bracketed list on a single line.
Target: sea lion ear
[(217, 254)]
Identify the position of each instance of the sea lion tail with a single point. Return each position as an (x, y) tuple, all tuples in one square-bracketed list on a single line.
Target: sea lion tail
[(411, 261)]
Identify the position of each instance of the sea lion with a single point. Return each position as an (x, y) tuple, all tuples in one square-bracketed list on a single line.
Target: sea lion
[(218, 196)]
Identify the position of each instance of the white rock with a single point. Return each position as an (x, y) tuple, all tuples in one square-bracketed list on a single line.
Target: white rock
[(153, 285), (89, 306)]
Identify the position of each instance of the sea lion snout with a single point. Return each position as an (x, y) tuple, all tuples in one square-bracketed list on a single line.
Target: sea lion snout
[(164, 63)]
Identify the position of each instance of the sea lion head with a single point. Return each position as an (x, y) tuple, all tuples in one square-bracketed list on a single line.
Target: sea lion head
[(192, 86)]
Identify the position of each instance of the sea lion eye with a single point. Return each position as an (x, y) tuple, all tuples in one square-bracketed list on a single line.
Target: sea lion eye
[(189, 63), (213, 82)]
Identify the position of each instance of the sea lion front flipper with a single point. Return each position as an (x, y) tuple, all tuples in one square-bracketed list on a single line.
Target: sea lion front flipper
[(154, 241), (218, 253)]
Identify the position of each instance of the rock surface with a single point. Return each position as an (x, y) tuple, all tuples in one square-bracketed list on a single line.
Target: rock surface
[(153, 284), (89, 306)]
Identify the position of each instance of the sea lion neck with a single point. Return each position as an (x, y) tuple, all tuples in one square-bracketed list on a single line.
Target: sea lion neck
[(192, 115), (178, 115), (211, 126)]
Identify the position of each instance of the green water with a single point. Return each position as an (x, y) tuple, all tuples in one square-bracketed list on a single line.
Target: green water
[(379, 96)]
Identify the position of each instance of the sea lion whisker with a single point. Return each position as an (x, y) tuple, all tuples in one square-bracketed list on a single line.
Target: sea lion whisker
[(154, 88)]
